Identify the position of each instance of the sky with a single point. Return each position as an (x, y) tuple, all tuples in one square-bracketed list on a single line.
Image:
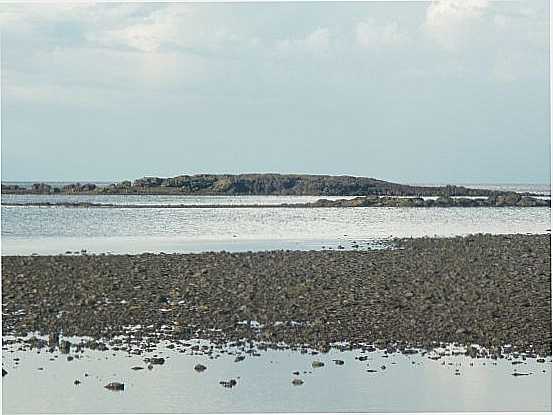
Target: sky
[(416, 92)]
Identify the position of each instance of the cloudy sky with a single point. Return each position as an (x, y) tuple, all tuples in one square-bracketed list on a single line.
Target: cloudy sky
[(454, 91)]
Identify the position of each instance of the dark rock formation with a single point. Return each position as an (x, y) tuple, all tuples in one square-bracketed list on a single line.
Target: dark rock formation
[(259, 184), (79, 188), (509, 199), (291, 184)]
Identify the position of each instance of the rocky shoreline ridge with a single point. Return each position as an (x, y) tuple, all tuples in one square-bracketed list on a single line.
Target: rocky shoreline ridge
[(254, 184), (488, 290), (509, 200)]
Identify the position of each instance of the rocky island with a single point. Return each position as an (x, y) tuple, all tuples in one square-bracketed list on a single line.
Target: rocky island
[(255, 184)]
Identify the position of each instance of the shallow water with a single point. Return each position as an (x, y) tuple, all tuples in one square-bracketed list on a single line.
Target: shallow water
[(54, 230), (409, 383)]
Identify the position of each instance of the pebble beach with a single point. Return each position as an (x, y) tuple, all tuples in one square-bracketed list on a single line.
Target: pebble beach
[(481, 289)]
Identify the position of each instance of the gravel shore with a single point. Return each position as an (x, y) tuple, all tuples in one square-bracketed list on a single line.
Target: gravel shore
[(489, 290)]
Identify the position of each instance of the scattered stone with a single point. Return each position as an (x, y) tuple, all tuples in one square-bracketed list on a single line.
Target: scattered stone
[(199, 368), (484, 272), (115, 386), (228, 384)]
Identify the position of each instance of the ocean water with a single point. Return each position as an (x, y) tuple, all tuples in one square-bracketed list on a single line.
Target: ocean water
[(399, 383), (54, 230)]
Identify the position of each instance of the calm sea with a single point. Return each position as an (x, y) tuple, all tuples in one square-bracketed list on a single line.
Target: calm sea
[(55, 230)]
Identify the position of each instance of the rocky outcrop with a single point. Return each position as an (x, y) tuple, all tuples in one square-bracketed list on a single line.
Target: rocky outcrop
[(510, 199), (291, 184), (261, 184), (79, 188)]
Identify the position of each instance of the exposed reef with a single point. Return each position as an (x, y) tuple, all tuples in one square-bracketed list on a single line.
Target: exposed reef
[(508, 200)]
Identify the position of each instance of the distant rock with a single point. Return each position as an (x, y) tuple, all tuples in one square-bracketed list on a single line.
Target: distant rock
[(268, 184)]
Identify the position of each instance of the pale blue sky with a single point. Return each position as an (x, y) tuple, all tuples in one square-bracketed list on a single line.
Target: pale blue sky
[(455, 91)]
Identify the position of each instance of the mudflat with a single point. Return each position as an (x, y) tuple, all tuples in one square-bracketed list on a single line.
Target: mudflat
[(483, 289)]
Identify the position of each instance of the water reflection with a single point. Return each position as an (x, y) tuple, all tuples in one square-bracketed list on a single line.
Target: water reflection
[(400, 383)]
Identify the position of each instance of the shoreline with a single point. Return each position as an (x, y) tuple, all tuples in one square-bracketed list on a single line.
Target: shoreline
[(481, 289)]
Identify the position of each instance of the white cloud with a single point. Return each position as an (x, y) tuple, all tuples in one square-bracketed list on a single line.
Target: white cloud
[(318, 40), (369, 34), (316, 43), (449, 22)]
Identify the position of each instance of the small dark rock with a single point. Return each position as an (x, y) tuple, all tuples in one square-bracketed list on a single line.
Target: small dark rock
[(199, 368), (115, 386), (228, 384)]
